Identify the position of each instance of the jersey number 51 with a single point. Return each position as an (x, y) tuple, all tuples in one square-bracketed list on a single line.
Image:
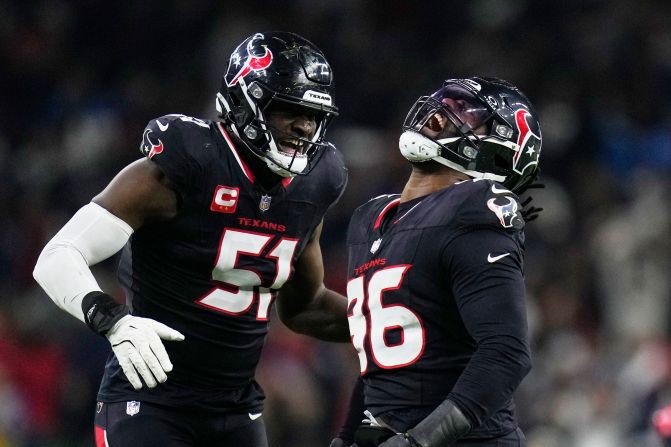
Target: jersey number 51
[(242, 284)]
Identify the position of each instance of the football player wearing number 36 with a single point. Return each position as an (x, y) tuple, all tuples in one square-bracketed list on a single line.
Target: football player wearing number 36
[(218, 221), (436, 289)]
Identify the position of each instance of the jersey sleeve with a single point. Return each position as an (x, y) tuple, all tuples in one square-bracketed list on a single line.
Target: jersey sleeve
[(485, 266), (488, 204), (163, 143), (338, 173)]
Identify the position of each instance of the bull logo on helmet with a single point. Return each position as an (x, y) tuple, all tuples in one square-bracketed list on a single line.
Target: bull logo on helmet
[(529, 144), (506, 213), (252, 62)]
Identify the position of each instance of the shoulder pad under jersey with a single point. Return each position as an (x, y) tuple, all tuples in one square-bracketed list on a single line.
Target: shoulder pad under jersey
[(488, 203)]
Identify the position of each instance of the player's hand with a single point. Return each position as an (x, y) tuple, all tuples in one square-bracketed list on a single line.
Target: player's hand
[(137, 344)]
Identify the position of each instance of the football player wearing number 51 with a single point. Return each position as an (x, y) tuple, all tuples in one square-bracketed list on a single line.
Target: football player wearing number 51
[(218, 221)]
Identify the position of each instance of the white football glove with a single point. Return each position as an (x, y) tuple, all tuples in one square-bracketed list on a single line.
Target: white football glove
[(137, 344)]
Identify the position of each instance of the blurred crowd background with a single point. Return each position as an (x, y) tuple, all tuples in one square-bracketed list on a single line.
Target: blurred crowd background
[(79, 81)]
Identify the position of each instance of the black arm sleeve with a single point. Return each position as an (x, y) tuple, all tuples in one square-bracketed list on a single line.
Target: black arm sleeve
[(490, 294)]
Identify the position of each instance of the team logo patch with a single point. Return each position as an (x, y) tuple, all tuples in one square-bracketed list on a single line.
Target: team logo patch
[(99, 407), (264, 204), (252, 62), (225, 199), (505, 213), (376, 245), (151, 144), (132, 407)]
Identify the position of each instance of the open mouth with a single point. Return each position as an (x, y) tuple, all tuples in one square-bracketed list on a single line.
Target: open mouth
[(291, 146)]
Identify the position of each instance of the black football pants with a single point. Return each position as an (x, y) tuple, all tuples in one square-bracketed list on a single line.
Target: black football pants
[(123, 424)]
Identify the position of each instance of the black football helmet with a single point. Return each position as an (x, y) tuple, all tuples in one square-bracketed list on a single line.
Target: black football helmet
[(483, 127), (270, 67)]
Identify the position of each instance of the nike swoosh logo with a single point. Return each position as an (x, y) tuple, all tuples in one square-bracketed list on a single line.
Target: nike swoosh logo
[(254, 416), (491, 258), (495, 190), (161, 126)]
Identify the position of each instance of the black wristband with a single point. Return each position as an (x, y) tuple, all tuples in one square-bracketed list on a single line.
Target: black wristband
[(101, 312), (443, 427)]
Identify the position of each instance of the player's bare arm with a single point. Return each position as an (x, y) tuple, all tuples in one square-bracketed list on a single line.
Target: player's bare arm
[(138, 193), (306, 306)]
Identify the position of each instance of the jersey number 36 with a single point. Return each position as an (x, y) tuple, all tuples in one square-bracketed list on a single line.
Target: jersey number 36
[(372, 327)]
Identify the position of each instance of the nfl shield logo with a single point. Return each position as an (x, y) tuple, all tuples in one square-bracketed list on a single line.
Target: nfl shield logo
[(132, 407), (264, 204), (376, 245)]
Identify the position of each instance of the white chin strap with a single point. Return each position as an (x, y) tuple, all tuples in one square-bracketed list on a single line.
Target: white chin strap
[(418, 148), (279, 162)]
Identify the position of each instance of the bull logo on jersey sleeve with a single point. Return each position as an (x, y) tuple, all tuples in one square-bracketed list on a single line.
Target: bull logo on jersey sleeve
[(253, 62), (506, 213), (151, 144), (529, 143)]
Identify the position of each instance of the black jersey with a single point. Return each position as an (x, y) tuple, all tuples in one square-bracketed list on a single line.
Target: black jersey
[(436, 303), (213, 271)]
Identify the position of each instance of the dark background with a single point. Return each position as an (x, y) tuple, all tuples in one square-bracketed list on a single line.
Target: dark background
[(79, 81)]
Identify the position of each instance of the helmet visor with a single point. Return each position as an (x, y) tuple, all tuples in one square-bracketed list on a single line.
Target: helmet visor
[(450, 112)]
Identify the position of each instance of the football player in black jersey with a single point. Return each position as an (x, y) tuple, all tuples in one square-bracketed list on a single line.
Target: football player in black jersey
[(435, 277), (217, 222)]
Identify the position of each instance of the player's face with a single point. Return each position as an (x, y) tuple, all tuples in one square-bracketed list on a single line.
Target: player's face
[(440, 126), (289, 123)]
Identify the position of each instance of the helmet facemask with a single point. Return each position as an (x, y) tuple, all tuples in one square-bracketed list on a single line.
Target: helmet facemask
[(460, 129), (299, 80)]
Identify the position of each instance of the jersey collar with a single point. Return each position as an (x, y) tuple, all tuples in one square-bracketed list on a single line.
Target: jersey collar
[(243, 166), (385, 210)]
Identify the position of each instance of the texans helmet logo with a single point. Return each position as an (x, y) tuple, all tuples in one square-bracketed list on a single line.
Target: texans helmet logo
[(148, 147), (529, 143), (253, 63)]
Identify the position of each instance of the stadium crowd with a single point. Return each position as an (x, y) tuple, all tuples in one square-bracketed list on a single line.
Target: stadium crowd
[(81, 79)]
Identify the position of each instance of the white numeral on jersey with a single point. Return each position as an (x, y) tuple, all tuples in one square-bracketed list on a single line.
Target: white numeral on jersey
[(356, 319), (243, 281), (383, 318)]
